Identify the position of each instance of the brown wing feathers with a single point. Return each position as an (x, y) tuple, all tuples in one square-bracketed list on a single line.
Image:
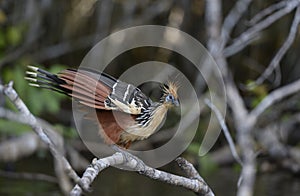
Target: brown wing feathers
[(89, 91), (81, 85)]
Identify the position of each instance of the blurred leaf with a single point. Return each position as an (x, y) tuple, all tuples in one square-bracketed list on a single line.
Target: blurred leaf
[(194, 148), (55, 68), (34, 101), (250, 85), (68, 132), (14, 35), (258, 91), (8, 127), (237, 168), (2, 39), (20, 84), (3, 17), (207, 166)]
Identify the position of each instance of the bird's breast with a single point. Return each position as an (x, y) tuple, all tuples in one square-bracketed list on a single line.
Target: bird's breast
[(143, 129)]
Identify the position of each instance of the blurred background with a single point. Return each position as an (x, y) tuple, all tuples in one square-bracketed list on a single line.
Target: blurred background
[(56, 35)]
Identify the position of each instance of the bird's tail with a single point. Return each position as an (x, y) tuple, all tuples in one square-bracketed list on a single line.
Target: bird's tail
[(44, 79), (82, 85)]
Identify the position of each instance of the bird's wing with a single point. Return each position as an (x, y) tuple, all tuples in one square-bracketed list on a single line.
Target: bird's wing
[(93, 89)]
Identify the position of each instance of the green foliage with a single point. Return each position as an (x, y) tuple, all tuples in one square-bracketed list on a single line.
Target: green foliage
[(11, 36), (193, 148), (237, 168), (67, 132), (37, 100), (14, 35), (207, 166), (258, 92), (6, 127), (2, 40)]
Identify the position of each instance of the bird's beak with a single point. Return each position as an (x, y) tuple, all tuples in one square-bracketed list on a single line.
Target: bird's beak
[(176, 102)]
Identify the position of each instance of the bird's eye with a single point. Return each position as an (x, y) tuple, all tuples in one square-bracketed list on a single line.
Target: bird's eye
[(169, 98)]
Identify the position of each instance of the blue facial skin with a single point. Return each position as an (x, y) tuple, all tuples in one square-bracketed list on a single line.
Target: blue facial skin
[(170, 98)]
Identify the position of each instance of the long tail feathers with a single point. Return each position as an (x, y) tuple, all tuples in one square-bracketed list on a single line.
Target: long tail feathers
[(41, 78), (77, 84)]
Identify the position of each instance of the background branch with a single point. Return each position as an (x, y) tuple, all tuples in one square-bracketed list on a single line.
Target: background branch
[(248, 36), (31, 120), (284, 48)]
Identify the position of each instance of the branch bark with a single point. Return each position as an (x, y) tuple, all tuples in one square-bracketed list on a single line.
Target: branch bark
[(36, 126), (284, 48), (242, 122), (195, 183), (248, 36)]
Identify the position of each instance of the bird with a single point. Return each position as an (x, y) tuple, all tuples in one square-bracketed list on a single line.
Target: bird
[(123, 112)]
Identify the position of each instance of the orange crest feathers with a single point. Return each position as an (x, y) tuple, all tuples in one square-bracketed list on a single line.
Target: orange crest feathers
[(171, 88)]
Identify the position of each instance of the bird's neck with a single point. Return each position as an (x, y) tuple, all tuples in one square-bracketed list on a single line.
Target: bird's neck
[(149, 121), (160, 109), (158, 115)]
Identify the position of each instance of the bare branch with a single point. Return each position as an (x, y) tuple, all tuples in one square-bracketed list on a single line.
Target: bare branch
[(275, 96), (282, 51), (17, 148), (213, 23), (28, 176), (32, 121), (128, 160), (232, 18), (243, 124), (150, 12), (248, 36), (285, 155), (225, 131), (269, 10), (192, 173)]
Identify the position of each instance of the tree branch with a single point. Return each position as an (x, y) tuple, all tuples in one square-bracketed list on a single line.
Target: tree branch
[(32, 121), (128, 160), (28, 176), (248, 36), (232, 18), (267, 11), (275, 96), (282, 51), (243, 124), (225, 131)]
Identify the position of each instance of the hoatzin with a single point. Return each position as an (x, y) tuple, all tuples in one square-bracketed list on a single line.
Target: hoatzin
[(124, 112)]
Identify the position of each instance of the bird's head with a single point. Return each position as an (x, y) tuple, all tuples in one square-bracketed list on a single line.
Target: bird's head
[(170, 97)]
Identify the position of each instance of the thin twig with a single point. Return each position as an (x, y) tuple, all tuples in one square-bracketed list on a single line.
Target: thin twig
[(248, 36), (282, 51), (232, 18), (28, 176), (225, 131), (275, 96), (267, 11)]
